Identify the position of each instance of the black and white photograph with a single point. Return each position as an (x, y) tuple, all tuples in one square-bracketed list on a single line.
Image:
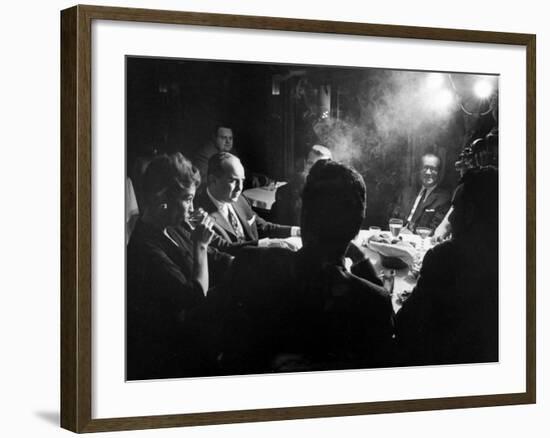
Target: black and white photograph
[(275, 219), (290, 218)]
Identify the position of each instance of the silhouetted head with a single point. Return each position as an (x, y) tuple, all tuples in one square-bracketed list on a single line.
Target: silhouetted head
[(316, 153), (333, 206), (475, 204)]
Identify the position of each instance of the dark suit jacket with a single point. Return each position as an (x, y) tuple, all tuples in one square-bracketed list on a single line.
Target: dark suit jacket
[(452, 314), (168, 316), (254, 227), (286, 305), (429, 213)]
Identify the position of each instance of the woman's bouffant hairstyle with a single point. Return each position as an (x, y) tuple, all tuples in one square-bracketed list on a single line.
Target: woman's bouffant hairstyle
[(167, 175)]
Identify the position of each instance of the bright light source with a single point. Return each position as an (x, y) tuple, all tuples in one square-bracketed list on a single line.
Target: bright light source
[(483, 89), (435, 80), (443, 99)]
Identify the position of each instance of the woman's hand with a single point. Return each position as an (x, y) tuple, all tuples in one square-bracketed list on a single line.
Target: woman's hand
[(201, 237), (196, 218), (202, 234)]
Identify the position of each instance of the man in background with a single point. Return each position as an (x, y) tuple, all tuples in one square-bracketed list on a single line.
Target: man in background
[(428, 208), (221, 141)]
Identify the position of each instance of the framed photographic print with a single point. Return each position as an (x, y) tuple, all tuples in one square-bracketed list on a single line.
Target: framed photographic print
[(268, 218)]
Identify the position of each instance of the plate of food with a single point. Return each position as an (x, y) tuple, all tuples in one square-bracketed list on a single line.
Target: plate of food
[(395, 252)]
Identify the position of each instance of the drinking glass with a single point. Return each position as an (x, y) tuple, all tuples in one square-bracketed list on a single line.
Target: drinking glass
[(395, 226), (424, 233), (196, 217)]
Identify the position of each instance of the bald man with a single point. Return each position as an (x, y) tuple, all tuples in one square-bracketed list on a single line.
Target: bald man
[(235, 221)]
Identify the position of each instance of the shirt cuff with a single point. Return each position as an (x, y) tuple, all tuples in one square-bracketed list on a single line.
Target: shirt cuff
[(348, 264), (294, 231), (262, 243)]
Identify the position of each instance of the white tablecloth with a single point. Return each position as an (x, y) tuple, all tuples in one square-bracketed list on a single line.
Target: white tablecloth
[(263, 197)]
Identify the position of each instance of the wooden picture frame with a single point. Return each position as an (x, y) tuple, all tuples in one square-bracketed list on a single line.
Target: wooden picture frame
[(76, 218)]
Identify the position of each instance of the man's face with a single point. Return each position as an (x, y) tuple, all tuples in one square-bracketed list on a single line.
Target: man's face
[(224, 139), (429, 173), (181, 206), (228, 186)]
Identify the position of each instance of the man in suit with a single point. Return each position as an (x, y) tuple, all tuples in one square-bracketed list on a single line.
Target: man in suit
[(235, 221), (303, 311), (452, 314), (428, 208)]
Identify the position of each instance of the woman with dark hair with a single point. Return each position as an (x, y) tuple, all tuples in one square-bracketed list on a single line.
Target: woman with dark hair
[(169, 295)]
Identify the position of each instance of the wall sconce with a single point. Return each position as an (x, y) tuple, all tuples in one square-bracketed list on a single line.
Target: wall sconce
[(276, 85)]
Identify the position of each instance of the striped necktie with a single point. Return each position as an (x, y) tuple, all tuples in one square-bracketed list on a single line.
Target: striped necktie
[(235, 224)]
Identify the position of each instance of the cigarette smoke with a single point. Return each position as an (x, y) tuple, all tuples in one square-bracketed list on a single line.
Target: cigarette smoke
[(391, 118), (390, 108)]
